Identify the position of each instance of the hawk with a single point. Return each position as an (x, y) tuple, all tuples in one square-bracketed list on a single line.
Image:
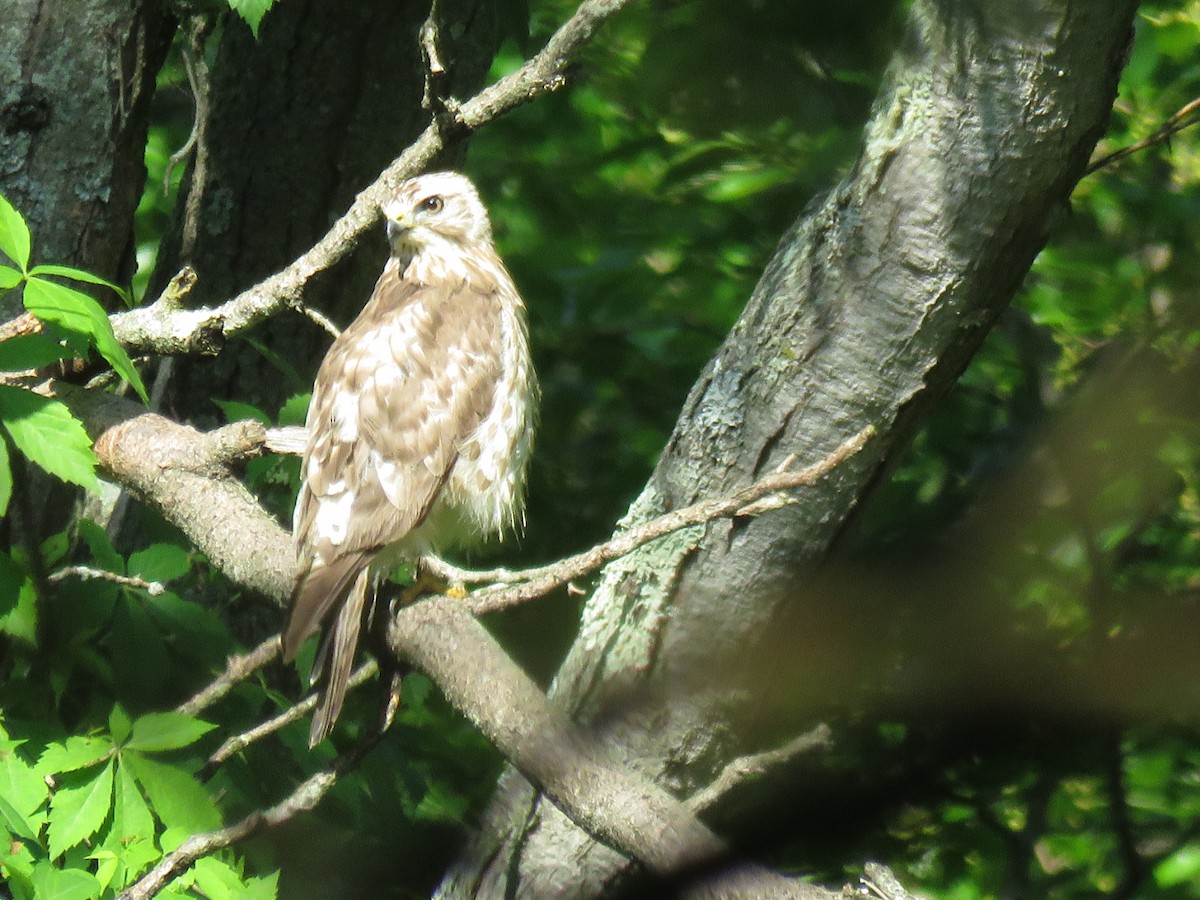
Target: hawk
[(420, 427)]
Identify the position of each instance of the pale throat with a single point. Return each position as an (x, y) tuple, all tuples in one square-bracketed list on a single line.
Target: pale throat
[(434, 256)]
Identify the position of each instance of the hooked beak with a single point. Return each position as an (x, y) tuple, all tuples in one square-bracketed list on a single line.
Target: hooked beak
[(397, 224)]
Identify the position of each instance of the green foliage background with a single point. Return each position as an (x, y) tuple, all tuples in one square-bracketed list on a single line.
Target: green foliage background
[(1051, 507)]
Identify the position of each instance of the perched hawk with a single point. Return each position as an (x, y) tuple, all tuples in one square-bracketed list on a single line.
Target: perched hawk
[(420, 426)]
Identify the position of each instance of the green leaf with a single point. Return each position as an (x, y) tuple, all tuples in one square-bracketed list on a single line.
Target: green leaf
[(217, 879), (175, 796), (80, 275), (9, 278), (46, 432), (51, 883), (166, 731), (236, 411), (264, 888), (20, 786), (107, 866), (76, 813), (131, 815), (441, 804), (18, 863), (76, 752), (12, 576), (6, 486), (83, 322), (15, 823), (55, 547), (295, 409), (160, 562), (119, 725), (14, 235), (1181, 867), (251, 12), (100, 545), (30, 351), (139, 656), (21, 620), (281, 364), (136, 855)]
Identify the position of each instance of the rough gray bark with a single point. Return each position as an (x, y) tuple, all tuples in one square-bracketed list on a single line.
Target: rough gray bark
[(75, 82), (870, 308), (274, 174)]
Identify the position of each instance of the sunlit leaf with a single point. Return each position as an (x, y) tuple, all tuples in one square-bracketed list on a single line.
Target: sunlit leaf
[(30, 351), (236, 411), (82, 322), (251, 11), (76, 752), (50, 883), (166, 731), (9, 277), (119, 725), (80, 275), (160, 562), (176, 797), (14, 235), (131, 815), (77, 812), (46, 432)]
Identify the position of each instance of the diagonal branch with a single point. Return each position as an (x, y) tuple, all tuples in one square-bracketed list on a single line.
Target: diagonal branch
[(305, 797), (759, 497), (164, 328), (1187, 116), (622, 809)]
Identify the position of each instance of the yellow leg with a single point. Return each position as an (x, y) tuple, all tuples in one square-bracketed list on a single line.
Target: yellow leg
[(426, 582)]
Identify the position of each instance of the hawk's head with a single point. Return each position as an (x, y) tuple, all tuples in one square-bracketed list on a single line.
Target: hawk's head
[(433, 210)]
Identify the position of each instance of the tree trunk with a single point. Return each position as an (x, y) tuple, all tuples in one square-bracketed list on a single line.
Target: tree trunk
[(76, 78), (869, 310)]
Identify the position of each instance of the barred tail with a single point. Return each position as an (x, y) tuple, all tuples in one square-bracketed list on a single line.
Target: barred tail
[(334, 597), (335, 657)]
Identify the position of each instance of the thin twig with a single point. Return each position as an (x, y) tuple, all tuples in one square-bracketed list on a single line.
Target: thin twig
[(740, 770), (87, 573), (1173, 125), (317, 316), (237, 668), (302, 799), (434, 97), (180, 156), (537, 582), (198, 78), (240, 742)]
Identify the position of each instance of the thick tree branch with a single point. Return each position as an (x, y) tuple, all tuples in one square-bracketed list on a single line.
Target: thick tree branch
[(186, 476), (163, 328), (626, 812)]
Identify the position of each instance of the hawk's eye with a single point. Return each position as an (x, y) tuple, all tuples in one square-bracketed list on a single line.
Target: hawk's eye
[(432, 204)]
